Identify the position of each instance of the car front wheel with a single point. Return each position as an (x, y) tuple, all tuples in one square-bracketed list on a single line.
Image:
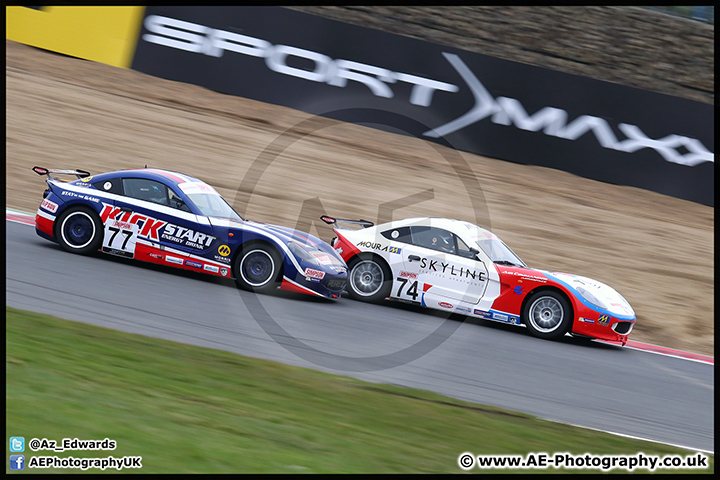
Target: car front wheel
[(258, 268), (548, 315)]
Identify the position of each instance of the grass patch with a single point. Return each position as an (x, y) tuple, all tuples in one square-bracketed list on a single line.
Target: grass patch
[(188, 409)]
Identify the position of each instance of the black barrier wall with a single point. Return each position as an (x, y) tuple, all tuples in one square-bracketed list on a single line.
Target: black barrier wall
[(471, 102)]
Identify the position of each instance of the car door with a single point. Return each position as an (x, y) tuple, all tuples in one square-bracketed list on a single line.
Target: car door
[(437, 262), (147, 223)]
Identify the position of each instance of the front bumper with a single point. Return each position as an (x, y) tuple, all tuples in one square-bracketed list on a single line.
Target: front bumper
[(330, 285), (591, 323)]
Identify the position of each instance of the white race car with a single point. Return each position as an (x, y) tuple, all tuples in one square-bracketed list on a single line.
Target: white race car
[(456, 266)]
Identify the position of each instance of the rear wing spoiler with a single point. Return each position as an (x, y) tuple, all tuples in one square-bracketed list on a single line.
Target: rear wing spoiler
[(54, 171), (332, 221)]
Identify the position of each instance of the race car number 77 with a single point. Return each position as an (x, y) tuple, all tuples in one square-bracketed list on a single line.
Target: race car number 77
[(119, 238)]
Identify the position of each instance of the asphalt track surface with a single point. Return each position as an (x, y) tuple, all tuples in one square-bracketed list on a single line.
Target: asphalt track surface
[(590, 384)]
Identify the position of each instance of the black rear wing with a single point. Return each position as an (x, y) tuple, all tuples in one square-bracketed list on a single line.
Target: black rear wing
[(54, 171), (333, 221)]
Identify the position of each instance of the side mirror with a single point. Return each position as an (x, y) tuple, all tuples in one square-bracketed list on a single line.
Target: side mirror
[(180, 204)]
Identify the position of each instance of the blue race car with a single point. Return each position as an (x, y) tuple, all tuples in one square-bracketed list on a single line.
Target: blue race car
[(172, 219)]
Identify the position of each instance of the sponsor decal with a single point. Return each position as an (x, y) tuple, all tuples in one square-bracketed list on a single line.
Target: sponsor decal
[(224, 272), (49, 206), (408, 274), (117, 251), (81, 196), (171, 259), (311, 273), (450, 269), (500, 316), (586, 320), (380, 247), (222, 259), (150, 226), (525, 276), (518, 290), (483, 313), (190, 263), (445, 305), (312, 279), (107, 185), (196, 187), (86, 179), (155, 255), (224, 250), (211, 268), (463, 309), (154, 229), (186, 236), (603, 320), (323, 258)]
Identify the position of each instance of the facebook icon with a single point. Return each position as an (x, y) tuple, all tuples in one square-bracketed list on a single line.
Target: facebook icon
[(17, 462)]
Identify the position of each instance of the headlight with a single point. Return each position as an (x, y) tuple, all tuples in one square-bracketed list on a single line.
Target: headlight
[(302, 253), (591, 298)]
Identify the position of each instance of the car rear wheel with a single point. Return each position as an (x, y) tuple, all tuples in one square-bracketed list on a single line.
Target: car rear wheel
[(79, 231), (258, 268), (548, 315), (369, 279)]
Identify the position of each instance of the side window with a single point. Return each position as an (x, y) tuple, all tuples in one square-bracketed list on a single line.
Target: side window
[(463, 250), (148, 190), (176, 201), (112, 186), (433, 238), (401, 234)]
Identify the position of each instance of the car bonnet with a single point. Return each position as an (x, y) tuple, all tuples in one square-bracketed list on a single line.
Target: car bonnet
[(613, 302)]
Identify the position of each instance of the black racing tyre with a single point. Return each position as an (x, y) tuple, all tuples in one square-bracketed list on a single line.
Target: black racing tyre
[(79, 230), (547, 314), (369, 279), (258, 268)]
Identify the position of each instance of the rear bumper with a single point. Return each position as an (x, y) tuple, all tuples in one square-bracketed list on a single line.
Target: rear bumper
[(44, 224)]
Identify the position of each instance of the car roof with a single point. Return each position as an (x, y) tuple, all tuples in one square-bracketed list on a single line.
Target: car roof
[(453, 225), (465, 230), (167, 177)]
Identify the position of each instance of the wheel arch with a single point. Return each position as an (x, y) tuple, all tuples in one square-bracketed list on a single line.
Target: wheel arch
[(384, 290), (545, 288), (258, 241), (369, 256), (73, 206)]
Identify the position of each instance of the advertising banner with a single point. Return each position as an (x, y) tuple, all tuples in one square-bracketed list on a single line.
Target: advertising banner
[(468, 101)]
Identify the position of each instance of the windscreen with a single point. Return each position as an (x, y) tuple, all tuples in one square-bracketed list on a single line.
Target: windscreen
[(208, 200), (495, 248)]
